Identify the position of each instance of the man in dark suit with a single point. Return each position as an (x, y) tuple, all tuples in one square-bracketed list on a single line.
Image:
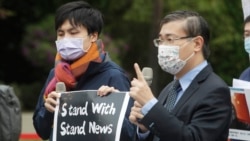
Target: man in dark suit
[(201, 108)]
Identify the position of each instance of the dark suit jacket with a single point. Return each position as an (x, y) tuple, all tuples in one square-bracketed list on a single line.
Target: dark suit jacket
[(202, 114)]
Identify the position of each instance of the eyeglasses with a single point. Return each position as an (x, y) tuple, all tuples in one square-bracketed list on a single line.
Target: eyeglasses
[(168, 41)]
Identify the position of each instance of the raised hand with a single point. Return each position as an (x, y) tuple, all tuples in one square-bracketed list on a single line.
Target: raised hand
[(139, 89)]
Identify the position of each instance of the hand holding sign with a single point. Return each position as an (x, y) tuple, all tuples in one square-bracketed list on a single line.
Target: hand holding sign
[(140, 90), (105, 90)]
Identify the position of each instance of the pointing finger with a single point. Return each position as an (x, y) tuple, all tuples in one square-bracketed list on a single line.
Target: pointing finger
[(138, 72)]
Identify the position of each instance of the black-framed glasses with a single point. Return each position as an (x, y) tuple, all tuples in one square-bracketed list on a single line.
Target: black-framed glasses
[(168, 41)]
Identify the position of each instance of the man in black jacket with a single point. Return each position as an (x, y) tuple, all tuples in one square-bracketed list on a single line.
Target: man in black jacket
[(200, 109)]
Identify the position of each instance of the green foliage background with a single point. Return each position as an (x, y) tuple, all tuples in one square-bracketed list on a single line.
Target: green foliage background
[(27, 41)]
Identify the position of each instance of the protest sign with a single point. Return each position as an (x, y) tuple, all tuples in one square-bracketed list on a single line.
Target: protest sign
[(240, 127), (83, 115)]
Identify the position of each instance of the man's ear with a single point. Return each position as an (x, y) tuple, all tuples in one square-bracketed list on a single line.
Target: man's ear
[(198, 43), (94, 36)]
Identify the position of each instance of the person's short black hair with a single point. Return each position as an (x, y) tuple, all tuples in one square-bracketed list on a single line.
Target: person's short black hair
[(247, 20), (80, 13)]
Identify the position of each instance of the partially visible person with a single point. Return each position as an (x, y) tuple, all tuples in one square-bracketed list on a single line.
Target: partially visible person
[(10, 114), (245, 75), (199, 108), (81, 63)]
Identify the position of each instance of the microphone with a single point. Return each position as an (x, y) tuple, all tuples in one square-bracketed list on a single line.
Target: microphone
[(148, 74), (60, 87)]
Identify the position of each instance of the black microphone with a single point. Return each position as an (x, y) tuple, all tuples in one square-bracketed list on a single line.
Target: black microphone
[(60, 87), (148, 74)]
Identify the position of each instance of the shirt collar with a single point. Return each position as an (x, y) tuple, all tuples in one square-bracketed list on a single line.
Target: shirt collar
[(186, 80)]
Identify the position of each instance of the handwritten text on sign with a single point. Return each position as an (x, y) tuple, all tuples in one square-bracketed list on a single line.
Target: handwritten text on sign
[(97, 108), (82, 115)]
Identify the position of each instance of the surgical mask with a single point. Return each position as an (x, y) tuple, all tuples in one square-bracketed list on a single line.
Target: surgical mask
[(70, 48), (247, 45), (168, 59)]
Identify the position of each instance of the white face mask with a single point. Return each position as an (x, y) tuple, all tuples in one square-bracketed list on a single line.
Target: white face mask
[(168, 59), (70, 48)]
